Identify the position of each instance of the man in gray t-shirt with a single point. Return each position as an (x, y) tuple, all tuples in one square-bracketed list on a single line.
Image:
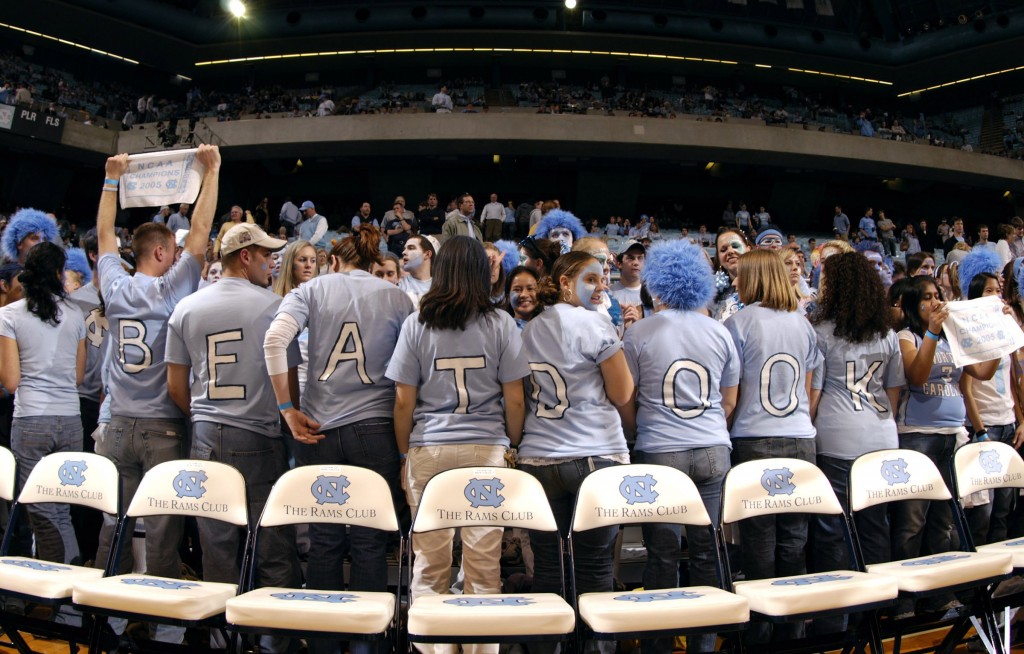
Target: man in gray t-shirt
[(137, 309), (217, 336)]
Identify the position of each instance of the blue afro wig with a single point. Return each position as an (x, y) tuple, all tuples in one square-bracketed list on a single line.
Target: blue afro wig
[(23, 223), (511, 258), (558, 218), (78, 262), (977, 261), (678, 274)]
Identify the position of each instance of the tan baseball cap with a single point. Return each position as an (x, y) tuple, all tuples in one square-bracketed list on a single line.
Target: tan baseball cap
[(245, 234)]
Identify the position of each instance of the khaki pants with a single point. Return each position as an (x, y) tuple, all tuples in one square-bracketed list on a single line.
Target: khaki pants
[(481, 546)]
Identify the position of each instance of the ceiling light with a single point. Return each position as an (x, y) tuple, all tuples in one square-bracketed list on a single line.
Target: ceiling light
[(570, 4), (237, 8)]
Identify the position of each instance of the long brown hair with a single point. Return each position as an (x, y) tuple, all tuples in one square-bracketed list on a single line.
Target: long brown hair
[(461, 286), (361, 249)]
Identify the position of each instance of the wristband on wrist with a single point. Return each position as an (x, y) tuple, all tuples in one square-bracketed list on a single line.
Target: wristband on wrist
[(402, 457), (981, 435), (284, 407), (109, 189), (111, 182), (930, 335)]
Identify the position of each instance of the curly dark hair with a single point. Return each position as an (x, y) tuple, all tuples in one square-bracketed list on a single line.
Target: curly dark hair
[(854, 299)]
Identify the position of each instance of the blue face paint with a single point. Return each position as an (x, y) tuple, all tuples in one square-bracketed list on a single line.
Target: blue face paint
[(585, 291), (414, 262)]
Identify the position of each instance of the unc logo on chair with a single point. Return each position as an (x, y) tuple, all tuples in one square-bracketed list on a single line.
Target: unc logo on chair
[(330, 490), (484, 492), (894, 471), (72, 473), (778, 481), (638, 488)]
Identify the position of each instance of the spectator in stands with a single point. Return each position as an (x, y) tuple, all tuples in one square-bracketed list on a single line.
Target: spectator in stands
[(289, 216), (491, 218), (162, 215), (628, 291), (363, 216), (841, 224), (1003, 248), (442, 102), (983, 241), (743, 218), (26, 229), (864, 125), (921, 263), (1017, 244), (910, 243), (314, 227), (887, 231), (930, 242), (866, 227), (460, 222), (179, 219), (431, 219), (508, 228), (957, 235), (728, 215), (536, 214), (234, 218), (398, 225), (326, 106)]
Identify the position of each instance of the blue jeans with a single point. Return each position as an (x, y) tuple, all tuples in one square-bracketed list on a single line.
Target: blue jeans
[(706, 467), (988, 522), (32, 438), (830, 550), (773, 545), (593, 550), (135, 445), (369, 444)]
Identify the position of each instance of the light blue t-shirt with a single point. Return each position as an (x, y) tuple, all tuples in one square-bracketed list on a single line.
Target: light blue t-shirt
[(938, 403), (854, 416), (47, 355), (354, 320), (680, 361), (777, 350), (218, 332), (459, 375), (568, 413), (138, 308), (96, 329)]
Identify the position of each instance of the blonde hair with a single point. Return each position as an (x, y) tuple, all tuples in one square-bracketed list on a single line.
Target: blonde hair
[(286, 280), (589, 244), (787, 254), (763, 278), (842, 246)]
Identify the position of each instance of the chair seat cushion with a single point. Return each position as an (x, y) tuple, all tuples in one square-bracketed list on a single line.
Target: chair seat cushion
[(1015, 547), (42, 578), (670, 608), (175, 599), (351, 612), (937, 571), (490, 615), (808, 593)]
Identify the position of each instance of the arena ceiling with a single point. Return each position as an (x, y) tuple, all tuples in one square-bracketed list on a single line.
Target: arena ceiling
[(909, 42)]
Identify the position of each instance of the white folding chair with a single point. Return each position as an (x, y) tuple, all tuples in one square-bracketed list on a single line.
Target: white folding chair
[(786, 486), (201, 489), (897, 475), (982, 467), (336, 494), (487, 497), (80, 478), (638, 494)]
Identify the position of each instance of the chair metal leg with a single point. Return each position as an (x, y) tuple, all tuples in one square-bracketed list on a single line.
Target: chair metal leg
[(17, 640)]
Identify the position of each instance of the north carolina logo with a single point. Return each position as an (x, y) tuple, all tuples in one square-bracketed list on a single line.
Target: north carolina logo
[(332, 598), (990, 462), (490, 601), (165, 584), (806, 581), (330, 490), (895, 472), (484, 492), (778, 481), (658, 597), (71, 473), (638, 488), (189, 483), (37, 565), (935, 560)]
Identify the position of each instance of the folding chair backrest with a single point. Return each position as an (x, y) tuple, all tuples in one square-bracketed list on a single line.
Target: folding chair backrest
[(482, 497), (981, 466), (81, 478), (637, 494), (773, 486), (8, 474), (894, 475), (202, 489), (336, 494)]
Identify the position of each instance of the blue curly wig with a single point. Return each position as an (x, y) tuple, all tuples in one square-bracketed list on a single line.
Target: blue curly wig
[(678, 274), (977, 261), (559, 218), (511, 258), (23, 223), (77, 261)]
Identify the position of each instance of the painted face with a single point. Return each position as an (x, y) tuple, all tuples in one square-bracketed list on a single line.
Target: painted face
[(927, 268), (730, 247), (213, 275), (604, 258), (304, 266), (412, 255), (261, 267), (879, 264), (562, 234), (770, 243), (589, 287), (523, 295), (276, 268), (388, 271), (930, 299)]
